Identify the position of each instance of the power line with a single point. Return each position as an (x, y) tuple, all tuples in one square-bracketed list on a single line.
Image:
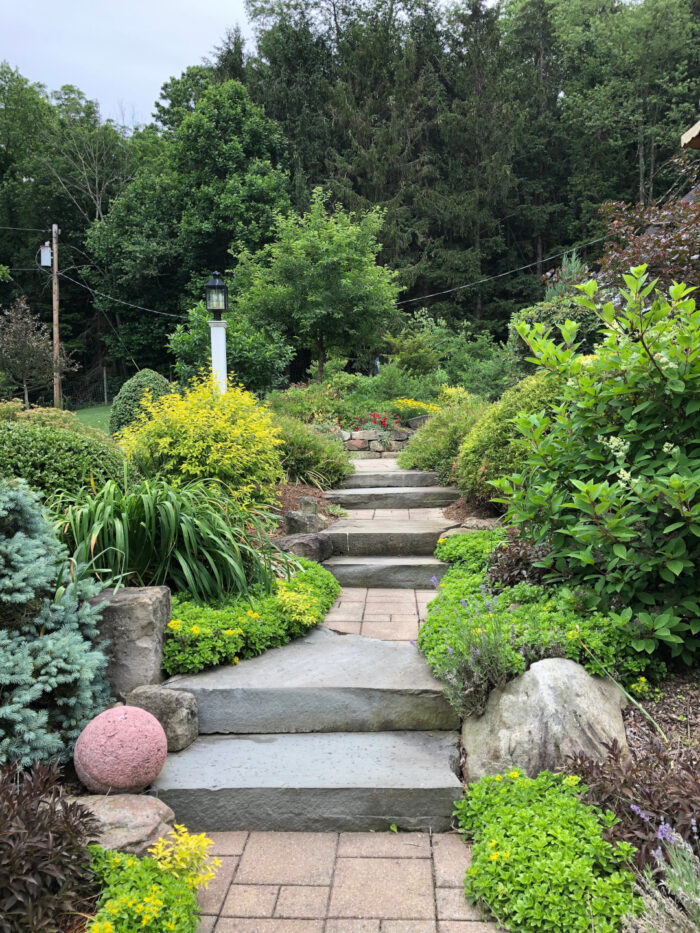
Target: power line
[(94, 291), (27, 229), (501, 275)]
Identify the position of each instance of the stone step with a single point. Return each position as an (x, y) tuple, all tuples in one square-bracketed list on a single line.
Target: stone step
[(338, 781), (386, 538), (323, 682), (399, 497), (384, 478), (413, 573)]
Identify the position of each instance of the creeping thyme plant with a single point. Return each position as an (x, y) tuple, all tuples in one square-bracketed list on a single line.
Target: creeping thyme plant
[(200, 637)]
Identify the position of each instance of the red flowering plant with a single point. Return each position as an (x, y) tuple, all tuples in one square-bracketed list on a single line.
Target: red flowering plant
[(377, 420)]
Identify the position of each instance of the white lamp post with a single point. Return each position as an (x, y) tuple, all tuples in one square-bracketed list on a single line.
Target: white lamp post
[(217, 301)]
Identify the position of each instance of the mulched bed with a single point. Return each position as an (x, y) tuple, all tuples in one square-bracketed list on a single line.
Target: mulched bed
[(675, 705), (461, 509), (288, 495)]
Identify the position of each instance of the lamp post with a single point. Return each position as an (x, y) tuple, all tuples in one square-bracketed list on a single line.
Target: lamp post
[(217, 301)]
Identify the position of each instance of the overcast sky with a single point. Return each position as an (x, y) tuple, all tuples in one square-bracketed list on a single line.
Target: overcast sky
[(116, 51)]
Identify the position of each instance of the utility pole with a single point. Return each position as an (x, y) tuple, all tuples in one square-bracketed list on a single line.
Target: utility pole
[(56, 339)]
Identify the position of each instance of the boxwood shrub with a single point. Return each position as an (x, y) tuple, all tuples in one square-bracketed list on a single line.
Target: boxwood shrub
[(127, 402), (52, 458)]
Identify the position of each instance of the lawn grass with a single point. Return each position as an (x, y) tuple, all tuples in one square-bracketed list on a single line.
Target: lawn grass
[(96, 417)]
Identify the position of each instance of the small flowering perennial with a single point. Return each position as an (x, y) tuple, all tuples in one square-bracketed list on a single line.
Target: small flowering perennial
[(540, 861)]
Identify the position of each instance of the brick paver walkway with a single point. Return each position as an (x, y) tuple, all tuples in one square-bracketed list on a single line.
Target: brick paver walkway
[(339, 883), (390, 614)]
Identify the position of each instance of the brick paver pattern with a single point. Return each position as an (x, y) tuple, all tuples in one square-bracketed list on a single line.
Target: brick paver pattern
[(390, 614), (339, 883)]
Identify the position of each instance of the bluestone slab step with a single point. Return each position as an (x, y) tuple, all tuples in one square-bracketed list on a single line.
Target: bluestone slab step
[(389, 478), (323, 682), (385, 537), (413, 573), (400, 497), (317, 781)]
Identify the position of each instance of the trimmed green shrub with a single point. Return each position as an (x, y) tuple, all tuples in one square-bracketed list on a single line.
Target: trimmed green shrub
[(611, 481), (310, 457), (51, 674), (201, 637), (192, 538), (206, 434), (44, 859), (49, 417), (552, 313), (436, 444), (541, 860), (51, 459), (127, 402), (495, 447)]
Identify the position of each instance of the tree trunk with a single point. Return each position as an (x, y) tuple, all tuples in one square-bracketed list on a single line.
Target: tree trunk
[(321, 356), (26, 395)]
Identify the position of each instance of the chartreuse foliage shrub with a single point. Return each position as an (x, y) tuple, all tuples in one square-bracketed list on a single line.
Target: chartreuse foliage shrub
[(157, 893), (309, 457), (44, 860), (200, 637), (51, 675), (540, 859), (127, 402), (611, 482), (435, 445), (205, 434), (192, 538), (476, 640), (494, 447), (51, 458)]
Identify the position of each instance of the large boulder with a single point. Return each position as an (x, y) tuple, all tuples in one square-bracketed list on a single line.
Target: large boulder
[(122, 750), (129, 822), (133, 624), (554, 709), (175, 710), (303, 523), (318, 547)]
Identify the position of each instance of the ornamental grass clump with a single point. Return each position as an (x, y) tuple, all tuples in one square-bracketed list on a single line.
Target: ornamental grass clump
[(540, 858), (611, 481), (194, 538), (206, 434)]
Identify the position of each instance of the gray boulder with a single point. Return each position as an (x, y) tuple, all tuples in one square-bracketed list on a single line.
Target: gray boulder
[(554, 709), (129, 822), (303, 523), (318, 547), (134, 622), (175, 710)]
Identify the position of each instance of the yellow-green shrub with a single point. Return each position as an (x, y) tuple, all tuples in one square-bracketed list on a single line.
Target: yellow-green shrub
[(204, 434), (494, 447)]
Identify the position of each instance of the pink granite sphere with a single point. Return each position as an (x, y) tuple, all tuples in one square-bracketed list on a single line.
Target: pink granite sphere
[(120, 751)]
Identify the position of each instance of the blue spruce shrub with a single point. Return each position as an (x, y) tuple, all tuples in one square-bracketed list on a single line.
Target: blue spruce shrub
[(51, 674)]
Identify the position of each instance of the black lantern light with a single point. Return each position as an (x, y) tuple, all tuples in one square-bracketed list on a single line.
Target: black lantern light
[(217, 296)]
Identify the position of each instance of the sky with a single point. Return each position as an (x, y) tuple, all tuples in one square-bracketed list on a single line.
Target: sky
[(118, 52)]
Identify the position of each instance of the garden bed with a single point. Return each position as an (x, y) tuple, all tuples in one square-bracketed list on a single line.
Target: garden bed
[(673, 703)]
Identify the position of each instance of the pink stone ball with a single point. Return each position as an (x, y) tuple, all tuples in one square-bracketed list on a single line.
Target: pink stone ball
[(120, 751)]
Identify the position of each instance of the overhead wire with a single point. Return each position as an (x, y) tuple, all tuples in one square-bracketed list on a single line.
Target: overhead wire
[(94, 291), (501, 275)]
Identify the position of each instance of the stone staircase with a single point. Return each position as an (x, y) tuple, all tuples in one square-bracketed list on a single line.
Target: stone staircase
[(332, 732)]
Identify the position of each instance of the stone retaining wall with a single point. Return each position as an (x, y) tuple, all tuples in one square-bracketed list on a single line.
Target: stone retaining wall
[(365, 443)]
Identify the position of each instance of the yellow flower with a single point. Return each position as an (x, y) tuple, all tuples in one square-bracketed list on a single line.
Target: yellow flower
[(478, 631), (505, 854), (230, 632), (442, 540), (174, 624), (571, 780), (514, 773), (235, 660), (494, 842), (494, 856), (195, 630), (497, 777)]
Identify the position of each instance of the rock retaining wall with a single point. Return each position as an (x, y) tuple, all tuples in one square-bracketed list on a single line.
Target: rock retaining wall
[(374, 442)]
